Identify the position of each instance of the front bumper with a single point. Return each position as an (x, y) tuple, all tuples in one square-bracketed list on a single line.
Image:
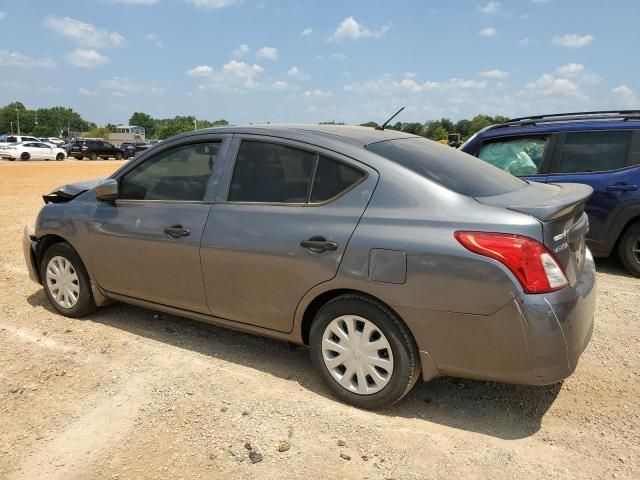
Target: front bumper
[(29, 249), (533, 339)]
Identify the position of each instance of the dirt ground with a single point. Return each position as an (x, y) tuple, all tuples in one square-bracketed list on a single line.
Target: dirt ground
[(129, 393)]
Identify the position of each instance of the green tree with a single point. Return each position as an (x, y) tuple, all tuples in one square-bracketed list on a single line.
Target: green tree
[(463, 127), (99, 132), (479, 122)]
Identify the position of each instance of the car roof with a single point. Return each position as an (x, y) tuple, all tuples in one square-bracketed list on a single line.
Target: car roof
[(517, 130), (359, 136)]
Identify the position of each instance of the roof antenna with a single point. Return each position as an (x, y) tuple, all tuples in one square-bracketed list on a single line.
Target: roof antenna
[(381, 127)]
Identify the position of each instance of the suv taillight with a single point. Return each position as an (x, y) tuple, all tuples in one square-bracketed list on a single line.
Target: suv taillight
[(84, 147), (531, 262)]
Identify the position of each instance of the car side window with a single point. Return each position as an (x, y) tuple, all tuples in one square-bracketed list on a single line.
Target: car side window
[(522, 156), (332, 178), (584, 152), (271, 173), (179, 174)]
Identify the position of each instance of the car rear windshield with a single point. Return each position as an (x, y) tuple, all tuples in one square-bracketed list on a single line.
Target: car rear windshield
[(449, 167)]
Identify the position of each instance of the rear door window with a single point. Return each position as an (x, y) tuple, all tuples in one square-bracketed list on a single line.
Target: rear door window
[(332, 178), (584, 152), (271, 173), (453, 169), (519, 157)]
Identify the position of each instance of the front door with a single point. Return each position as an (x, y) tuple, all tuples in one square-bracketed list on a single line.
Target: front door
[(279, 227), (146, 245)]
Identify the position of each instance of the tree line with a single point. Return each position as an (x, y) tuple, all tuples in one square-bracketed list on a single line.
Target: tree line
[(61, 121)]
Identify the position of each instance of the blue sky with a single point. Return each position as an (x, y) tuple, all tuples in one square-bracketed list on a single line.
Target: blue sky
[(311, 61)]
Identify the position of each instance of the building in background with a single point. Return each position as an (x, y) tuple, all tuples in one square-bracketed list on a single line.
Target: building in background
[(126, 133)]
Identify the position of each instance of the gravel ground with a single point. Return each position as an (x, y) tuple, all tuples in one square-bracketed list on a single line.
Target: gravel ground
[(129, 393)]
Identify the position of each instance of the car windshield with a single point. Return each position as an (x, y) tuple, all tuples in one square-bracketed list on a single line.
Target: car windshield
[(447, 166)]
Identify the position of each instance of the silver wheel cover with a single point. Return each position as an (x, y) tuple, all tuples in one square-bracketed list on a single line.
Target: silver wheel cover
[(357, 354), (62, 282)]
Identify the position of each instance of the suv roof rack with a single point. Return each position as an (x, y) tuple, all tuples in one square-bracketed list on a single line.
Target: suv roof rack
[(576, 116)]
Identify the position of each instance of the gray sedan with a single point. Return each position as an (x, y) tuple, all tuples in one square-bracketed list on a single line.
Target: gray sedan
[(392, 257)]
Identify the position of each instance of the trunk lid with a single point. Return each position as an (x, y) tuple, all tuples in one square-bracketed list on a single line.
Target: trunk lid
[(560, 210)]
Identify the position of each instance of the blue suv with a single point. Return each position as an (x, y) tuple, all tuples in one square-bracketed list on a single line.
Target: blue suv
[(600, 149)]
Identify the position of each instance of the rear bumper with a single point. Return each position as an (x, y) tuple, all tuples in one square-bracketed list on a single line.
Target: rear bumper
[(29, 249), (533, 340)]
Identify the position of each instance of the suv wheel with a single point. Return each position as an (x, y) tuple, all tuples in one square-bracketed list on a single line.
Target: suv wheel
[(118, 156), (66, 281), (629, 249), (93, 156), (79, 157), (363, 352)]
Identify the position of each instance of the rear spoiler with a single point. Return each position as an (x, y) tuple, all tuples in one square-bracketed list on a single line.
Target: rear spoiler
[(542, 202)]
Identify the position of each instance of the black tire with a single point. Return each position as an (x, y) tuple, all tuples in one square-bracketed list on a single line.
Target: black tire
[(85, 303), (118, 156), (60, 157), (406, 367), (93, 156), (629, 242), (24, 156), (79, 157)]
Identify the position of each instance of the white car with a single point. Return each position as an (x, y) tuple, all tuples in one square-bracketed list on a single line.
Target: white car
[(13, 139), (32, 151)]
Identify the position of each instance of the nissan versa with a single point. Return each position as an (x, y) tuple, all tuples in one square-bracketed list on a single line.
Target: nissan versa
[(392, 257)]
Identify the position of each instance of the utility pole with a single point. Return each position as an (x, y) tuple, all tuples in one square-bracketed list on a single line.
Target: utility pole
[(11, 127), (18, 113), (195, 123)]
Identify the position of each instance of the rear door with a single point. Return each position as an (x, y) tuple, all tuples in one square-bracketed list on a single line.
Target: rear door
[(281, 223), (527, 157), (603, 160)]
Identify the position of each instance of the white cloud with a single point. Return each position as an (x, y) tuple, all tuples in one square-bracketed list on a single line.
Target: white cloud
[(241, 51), (279, 85), (572, 40), (85, 58), (350, 28), (120, 86), (490, 7), (317, 93), (488, 32), (15, 59), (267, 53), (200, 71), (523, 42), (548, 85), (388, 86), (86, 92), (495, 73), (155, 39), (213, 3), (86, 34), (232, 76), (135, 2), (570, 70), (298, 74), (625, 97), (3, 14), (306, 32)]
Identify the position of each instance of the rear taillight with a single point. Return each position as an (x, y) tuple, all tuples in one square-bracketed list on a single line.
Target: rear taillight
[(84, 147), (531, 262)]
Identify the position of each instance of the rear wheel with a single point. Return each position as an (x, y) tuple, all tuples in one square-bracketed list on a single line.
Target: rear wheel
[(118, 156), (93, 156), (60, 156), (629, 249), (24, 156), (66, 281), (363, 352)]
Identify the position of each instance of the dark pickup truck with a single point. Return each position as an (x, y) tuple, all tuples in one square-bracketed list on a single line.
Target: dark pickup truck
[(94, 149)]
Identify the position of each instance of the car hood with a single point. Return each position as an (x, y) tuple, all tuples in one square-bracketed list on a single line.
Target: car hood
[(70, 191)]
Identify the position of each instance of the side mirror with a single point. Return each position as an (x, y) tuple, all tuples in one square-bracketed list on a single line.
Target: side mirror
[(107, 191)]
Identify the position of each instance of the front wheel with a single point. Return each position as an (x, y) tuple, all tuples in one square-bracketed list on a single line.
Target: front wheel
[(93, 156), (629, 249), (118, 156), (25, 156), (66, 281), (60, 157), (363, 352)]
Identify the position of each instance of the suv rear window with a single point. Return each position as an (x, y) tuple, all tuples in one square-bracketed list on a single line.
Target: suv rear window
[(447, 166), (521, 156), (594, 151)]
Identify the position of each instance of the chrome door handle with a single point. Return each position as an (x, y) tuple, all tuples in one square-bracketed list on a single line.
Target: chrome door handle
[(318, 244), (177, 231)]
